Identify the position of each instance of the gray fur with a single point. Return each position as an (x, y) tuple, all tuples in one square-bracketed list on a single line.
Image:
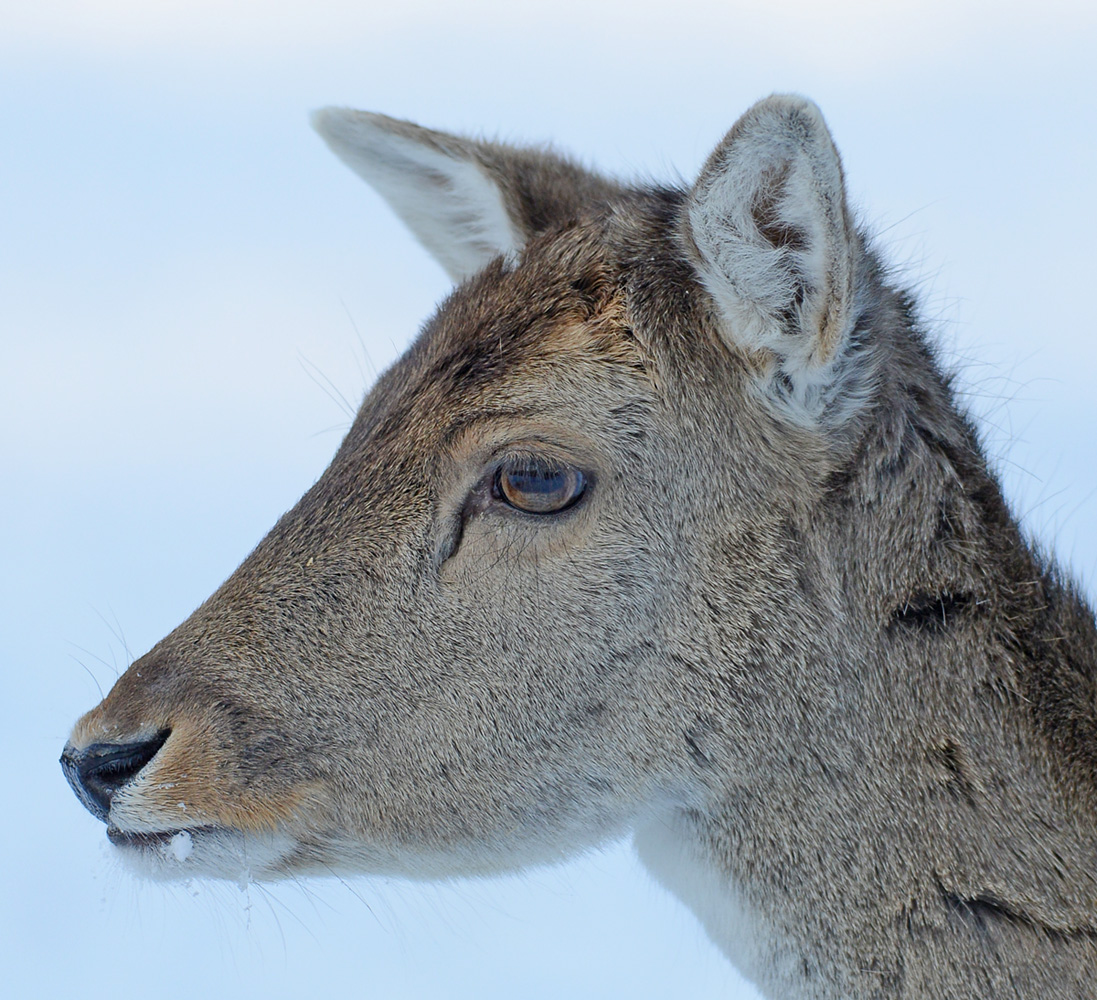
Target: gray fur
[(801, 649)]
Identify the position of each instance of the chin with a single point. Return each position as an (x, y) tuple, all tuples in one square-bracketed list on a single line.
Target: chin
[(205, 852)]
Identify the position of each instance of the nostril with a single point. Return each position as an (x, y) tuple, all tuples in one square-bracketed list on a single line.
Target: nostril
[(98, 771)]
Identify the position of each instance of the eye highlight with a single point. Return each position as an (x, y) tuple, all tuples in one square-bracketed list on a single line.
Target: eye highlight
[(537, 485)]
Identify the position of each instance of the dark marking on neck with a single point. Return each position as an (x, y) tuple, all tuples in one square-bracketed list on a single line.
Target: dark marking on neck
[(956, 775), (984, 911), (694, 735), (931, 612)]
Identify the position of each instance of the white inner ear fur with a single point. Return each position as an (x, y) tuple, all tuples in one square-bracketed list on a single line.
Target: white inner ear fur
[(432, 181), (776, 249)]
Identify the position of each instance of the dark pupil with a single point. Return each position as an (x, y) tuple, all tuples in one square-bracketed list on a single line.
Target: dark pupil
[(540, 489)]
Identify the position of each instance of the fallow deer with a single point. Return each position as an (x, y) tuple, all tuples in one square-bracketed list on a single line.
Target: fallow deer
[(667, 524)]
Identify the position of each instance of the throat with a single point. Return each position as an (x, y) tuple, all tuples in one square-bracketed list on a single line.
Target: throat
[(669, 848)]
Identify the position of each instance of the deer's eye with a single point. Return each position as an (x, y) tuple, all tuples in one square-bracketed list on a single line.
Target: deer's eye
[(538, 486)]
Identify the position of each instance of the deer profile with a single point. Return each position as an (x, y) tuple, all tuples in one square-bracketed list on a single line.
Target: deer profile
[(667, 524)]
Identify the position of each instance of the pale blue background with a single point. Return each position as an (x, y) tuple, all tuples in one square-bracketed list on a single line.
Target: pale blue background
[(184, 268)]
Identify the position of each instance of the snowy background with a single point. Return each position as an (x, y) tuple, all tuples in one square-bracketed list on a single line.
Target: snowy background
[(194, 293)]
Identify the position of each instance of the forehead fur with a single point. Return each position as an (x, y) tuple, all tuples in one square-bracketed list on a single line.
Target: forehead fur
[(559, 308), (511, 317)]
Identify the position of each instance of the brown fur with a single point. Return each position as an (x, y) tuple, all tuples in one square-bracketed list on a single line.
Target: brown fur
[(819, 658)]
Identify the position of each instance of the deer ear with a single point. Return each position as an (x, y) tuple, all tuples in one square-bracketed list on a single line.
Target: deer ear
[(768, 222), (433, 181), (467, 202)]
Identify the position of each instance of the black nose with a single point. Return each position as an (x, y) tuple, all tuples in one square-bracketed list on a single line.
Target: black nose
[(98, 771)]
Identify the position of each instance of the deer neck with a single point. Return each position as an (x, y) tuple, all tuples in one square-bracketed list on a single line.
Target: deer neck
[(911, 809)]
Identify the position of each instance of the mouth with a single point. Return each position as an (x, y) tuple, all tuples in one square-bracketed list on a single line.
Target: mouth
[(172, 845), (204, 852)]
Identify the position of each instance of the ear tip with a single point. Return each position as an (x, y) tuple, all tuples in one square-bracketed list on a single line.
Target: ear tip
[(783, 122), (340, 126), (332, 124), (321, 118), (790, 106)]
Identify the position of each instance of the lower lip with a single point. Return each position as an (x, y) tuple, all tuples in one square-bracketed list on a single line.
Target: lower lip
[(120, 839), (170, 844)]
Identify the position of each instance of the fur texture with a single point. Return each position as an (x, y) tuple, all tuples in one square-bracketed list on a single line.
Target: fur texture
[(789, 633)]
